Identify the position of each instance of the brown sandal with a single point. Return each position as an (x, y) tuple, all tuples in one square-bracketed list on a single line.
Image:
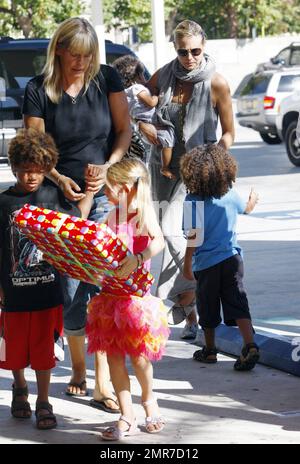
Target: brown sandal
[(20, 405), (43, 417)]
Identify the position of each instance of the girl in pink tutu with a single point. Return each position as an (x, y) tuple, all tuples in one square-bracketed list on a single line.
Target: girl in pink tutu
[(131, 325)]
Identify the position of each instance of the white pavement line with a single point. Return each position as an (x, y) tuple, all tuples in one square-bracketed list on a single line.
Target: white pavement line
[(276, 331), (287, 414)]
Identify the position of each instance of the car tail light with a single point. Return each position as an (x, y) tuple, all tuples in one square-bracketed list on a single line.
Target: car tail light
[(269, 103)]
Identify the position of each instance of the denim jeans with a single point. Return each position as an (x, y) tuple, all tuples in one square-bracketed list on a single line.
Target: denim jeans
[(76, 293)]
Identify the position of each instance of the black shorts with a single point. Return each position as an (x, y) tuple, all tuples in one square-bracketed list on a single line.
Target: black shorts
[(222, 283)]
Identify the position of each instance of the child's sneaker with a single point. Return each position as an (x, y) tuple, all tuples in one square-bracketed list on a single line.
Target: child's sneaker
[(189, 332)]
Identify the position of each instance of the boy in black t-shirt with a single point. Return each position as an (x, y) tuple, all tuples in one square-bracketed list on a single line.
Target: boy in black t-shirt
[(30, 292)]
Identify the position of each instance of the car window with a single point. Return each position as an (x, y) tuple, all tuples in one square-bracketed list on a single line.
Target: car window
[(18, 66), (257, 84), (295, 57), (241, 85), (288, 83), (284, 55)]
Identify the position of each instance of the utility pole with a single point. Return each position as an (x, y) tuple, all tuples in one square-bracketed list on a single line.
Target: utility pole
[(158, 32), (98, 23)]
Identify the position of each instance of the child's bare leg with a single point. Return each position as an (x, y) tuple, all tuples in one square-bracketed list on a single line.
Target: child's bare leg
[(144, 373), (209, 335), (43, 383), (166, 156), (121, 383), (246, 329), (20, 382), (19, 378), (77, 353)]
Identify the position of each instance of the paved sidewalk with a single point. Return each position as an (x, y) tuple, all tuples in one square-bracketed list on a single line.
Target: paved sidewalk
[(202, 404)]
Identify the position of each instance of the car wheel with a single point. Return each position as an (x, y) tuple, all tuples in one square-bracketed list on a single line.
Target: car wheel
[(292, 144), (271, 139)]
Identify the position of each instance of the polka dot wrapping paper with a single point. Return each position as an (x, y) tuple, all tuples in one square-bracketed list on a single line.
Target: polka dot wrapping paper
[(82, 249)]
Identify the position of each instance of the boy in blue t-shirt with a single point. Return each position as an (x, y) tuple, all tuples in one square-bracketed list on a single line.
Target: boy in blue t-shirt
[(213, 255)]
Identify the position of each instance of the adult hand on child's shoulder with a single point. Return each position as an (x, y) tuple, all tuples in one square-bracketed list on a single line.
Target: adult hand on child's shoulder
[(70, 189)]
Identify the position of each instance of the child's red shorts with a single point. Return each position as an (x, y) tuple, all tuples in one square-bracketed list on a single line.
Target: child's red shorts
[(29, 338)]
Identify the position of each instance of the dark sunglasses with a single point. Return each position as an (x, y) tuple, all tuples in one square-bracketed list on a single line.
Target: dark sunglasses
[(185, 52)]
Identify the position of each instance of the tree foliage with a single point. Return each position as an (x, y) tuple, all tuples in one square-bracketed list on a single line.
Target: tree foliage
[(36, 18), (220, 19)]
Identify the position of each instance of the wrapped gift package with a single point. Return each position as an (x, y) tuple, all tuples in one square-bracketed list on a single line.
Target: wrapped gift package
[(83, 249)]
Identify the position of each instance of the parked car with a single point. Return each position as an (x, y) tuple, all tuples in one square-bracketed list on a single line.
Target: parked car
[(286, 124), (288, 56), (258, 101), (20, 60)]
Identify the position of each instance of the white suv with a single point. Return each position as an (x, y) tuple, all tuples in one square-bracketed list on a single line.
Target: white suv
[(286, 124), (259, 100)]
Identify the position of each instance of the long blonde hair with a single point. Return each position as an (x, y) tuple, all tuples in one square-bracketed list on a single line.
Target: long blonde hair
[(78, 36), (133, 171)]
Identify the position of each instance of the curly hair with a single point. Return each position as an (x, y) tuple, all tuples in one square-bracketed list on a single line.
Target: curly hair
[(208, 171), (129, 68), (31, 146)]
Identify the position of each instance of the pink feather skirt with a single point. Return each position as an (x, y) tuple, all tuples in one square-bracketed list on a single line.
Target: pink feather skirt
[(127, 325)]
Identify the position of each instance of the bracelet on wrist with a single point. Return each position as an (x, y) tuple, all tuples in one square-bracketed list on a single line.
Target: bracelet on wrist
[(140, 259)]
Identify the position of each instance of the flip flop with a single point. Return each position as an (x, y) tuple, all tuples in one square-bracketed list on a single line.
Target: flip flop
[(81, 386), (100, 404)]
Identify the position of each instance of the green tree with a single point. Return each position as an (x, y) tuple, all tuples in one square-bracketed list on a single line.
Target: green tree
[(36, 18), (129, 13), (236, 18), (220, 19)]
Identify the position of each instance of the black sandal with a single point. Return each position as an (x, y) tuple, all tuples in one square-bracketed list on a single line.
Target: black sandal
[(248, 358), (45, 417), (202, 355), (20, 405)]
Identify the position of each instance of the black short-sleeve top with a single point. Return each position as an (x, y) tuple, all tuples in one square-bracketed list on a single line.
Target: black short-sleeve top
[(82, 130), (29, 282)]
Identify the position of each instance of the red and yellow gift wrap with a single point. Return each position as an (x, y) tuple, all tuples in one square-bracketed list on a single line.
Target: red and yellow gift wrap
[(82, 249)]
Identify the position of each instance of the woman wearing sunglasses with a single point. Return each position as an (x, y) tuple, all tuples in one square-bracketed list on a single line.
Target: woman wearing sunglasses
[(192, 96)]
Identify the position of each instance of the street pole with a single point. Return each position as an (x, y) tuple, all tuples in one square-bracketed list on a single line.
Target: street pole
[(158, 32), (98, 23)]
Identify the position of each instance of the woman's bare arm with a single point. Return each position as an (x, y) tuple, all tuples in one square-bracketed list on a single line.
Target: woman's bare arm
[(121, 122), (222, 101)]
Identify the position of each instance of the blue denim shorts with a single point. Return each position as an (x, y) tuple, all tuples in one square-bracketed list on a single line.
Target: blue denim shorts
[(77, 294)]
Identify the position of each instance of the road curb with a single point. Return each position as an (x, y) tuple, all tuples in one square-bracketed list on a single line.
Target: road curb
[(275, 350)]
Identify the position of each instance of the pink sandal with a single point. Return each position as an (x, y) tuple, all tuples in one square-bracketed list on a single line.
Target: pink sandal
[(116, 434), (151, 422)]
